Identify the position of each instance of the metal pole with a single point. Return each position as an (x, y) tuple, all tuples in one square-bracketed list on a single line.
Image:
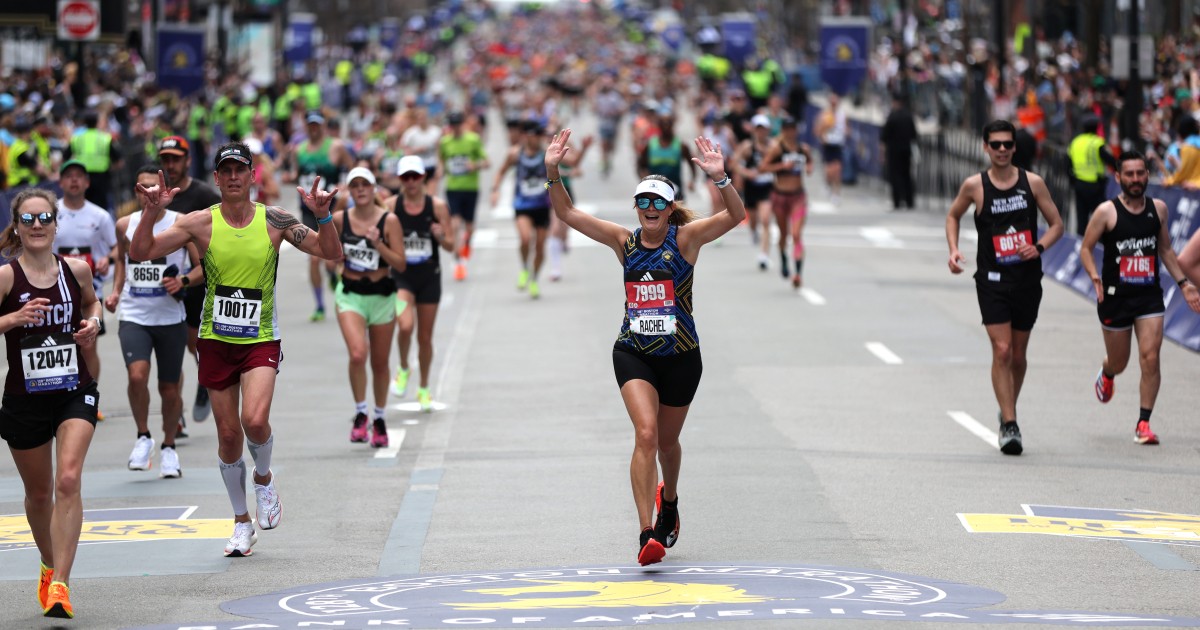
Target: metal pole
[(1000, 37), (1133, 94)]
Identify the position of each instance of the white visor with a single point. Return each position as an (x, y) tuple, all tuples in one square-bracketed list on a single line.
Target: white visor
[(654, 186)]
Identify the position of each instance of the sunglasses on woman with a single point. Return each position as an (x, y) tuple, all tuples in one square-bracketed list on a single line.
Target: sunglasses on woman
[(46, 218), (1007, 144), (660, 204)]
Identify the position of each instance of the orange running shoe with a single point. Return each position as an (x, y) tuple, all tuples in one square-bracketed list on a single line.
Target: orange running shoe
[(652, 551), (465, 251), (460, 271), (1143, 434), (44, 584), (1104, 387), (58, 602)]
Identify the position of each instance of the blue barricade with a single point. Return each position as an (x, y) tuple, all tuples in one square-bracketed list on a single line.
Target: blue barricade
[(1180, 323)]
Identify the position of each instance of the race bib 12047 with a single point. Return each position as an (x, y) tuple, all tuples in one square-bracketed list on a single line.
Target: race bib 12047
[(49, 362)]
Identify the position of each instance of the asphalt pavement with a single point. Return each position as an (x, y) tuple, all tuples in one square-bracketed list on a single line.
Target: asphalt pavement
[(837, 461)]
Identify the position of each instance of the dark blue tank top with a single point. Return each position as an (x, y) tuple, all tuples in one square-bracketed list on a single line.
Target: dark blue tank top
[(658, 298)]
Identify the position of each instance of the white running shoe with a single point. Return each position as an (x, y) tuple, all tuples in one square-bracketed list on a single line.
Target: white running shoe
[(241, 541), (139, 458), (269, 507), (168, 464)]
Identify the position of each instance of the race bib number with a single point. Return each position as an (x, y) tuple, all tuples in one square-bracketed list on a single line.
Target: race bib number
[(236, 311), (78, 253), (1007, 244), (145, 279), (650, 302), (794, 161), (49, 362), (459, 165), (417, 248), (531, 187), (361, 256), (1137, 269)]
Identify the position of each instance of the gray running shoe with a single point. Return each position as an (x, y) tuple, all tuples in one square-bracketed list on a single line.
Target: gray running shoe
[(1010, 439)]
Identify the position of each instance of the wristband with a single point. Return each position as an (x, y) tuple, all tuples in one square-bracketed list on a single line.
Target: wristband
[(722, 183), (1041, 248), (95, 319), (551, 182), (327, 219), (184, 280), (1182, 281)]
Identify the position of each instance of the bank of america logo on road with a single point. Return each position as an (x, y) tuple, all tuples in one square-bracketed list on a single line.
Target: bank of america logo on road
[(610, 596), (648, 277), (238, 294)]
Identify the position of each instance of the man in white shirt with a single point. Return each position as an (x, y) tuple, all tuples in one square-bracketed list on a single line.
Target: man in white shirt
[(85, 230)]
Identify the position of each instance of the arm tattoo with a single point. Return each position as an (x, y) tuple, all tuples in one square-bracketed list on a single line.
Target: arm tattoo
[(279, 218), (298, 234)]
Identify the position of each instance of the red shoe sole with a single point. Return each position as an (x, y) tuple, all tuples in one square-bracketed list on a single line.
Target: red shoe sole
[(652, 553)]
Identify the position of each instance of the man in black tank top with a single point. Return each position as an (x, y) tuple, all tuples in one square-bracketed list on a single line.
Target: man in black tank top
[(1008, 281), (1129, 297)]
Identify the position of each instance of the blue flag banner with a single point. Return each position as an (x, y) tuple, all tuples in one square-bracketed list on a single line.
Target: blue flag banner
[(181, 58), (738, 33), (389, 33), (845, 48), (673, 36), (298, 42)]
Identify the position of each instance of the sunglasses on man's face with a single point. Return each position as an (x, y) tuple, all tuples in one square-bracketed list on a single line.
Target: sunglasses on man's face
[(46, 218), (1007, 144), (409, 177), (660, 204)]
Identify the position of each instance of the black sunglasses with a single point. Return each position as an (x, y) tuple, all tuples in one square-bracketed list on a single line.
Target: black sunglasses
[(660, 204), (46, 218), (1007, 144)]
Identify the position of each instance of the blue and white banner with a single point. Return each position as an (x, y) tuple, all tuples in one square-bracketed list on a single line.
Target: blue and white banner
[(389, 33), (845, 51), (298, 41), (738, 31), (181, 58)]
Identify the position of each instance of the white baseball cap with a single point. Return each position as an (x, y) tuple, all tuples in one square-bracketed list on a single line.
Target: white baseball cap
[(761, 120), (410, 164), (656, 187), (360, 171), (254, 144)]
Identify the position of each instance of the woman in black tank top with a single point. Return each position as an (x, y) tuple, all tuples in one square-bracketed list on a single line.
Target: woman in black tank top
[(373, 246), (48, 314)]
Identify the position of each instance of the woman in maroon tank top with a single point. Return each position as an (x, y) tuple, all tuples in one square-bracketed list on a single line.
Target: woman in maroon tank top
[(49, 316)]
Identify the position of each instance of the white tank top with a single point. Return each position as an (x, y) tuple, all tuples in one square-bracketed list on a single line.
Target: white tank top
[(144, 300)]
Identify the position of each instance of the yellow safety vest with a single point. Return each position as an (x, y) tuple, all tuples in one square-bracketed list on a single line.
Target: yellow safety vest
[(18, 174), (92, 148), (1085, 157)]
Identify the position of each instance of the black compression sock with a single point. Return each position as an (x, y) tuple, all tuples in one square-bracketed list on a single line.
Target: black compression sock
[(1144, 414), (671, 505), (144, 435), (647, 534)]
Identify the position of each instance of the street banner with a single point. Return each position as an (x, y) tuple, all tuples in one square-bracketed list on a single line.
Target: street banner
[(181, 58), (845, 48)]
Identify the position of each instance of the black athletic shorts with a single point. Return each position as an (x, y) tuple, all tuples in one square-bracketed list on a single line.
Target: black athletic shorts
[(756, 193), (1004, 302), (1119, 313), (462, 203), (28, 421), (540, 216), (424, 284), (676, 377), (831, 153), (167, 343)]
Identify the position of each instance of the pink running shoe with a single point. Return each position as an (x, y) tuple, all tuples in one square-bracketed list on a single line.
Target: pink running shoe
[(379, 437), (358, 433)]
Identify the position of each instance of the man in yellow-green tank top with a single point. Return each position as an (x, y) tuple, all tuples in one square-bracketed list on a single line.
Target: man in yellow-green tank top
[(239, 346)]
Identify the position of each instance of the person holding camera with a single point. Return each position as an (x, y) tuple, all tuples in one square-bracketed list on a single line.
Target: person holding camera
[(153, 320)]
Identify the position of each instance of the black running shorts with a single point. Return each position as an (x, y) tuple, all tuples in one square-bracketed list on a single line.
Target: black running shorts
[(28, 421), (540, 216), (462, 203), (1005, 302), (424, 284), (676, 377), (1119, 313)]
